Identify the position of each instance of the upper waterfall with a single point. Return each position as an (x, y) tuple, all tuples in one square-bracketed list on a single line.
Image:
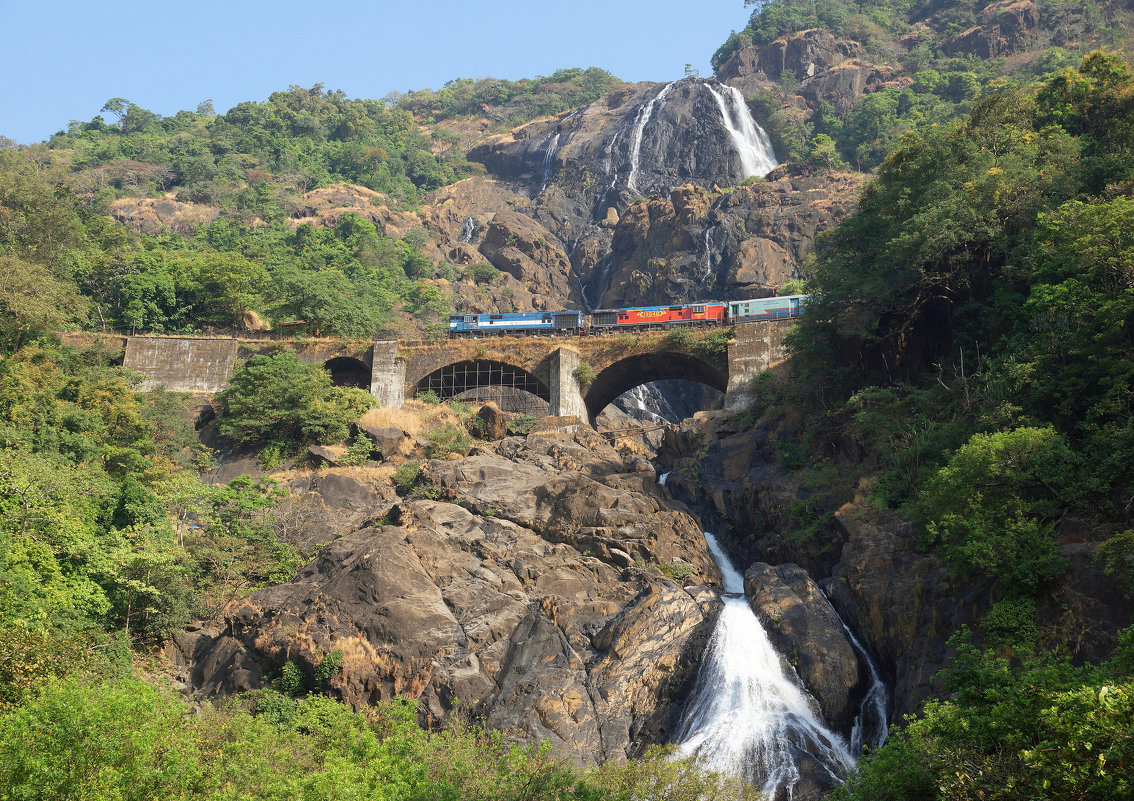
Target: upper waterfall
[(748, 138), (644, 114)]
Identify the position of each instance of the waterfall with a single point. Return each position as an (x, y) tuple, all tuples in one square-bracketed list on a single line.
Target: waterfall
[(467, 230), (549, 161), (746, 717), (872, 726), (644, 114), (708, 258), (664, 477), (647, 403), (748, 139), (603, 282)]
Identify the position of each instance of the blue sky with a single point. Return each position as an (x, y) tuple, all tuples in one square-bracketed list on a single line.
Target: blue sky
[(63, 60)]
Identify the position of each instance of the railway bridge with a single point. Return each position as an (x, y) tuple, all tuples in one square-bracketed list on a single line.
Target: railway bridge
[(538, 375)]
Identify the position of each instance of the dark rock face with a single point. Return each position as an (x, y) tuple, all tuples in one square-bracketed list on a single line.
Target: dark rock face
[(828, 69), (536, 601), (904, 604), (806, 630), (563, 214), (1003, 28)]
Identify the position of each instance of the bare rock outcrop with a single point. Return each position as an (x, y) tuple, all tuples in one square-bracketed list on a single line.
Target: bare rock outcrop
[(530, 595), (1003, 28), (827, 68)]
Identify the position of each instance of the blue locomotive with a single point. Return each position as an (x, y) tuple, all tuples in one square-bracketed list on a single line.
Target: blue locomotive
[(560, 323)]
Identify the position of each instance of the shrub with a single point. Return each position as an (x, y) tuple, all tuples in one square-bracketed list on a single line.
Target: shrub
[(406, 476), (447, 439), (521, 424), (484, 273), (280, 400), (677, 571), (584, 374)]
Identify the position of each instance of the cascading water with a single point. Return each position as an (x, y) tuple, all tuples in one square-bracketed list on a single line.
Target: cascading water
[(708, 256), (467, 230), (646, 402), (644, 114), (746, 717), (872, 726), (599, 282), (549, 161), (748, 138)]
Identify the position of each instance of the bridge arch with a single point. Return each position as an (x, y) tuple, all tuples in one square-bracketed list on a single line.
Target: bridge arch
[(347, 371), (634, 371), (514, 389)]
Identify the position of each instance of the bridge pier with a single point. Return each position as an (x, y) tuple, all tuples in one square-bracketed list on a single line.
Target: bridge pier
[(566, 394), (388, 375), (755, 348)]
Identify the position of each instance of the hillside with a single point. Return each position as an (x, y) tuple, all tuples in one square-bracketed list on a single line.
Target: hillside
[(930, 501)]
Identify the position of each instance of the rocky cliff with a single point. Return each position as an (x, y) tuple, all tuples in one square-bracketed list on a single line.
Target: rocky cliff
[(533, 592), (903, 604)]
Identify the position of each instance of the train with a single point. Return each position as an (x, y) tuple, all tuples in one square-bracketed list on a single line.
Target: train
[(635, 318)]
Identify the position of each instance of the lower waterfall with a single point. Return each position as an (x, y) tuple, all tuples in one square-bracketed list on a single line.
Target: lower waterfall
[(746, 717)]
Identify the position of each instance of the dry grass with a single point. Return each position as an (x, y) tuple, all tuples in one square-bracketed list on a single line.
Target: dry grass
[(408, 418)]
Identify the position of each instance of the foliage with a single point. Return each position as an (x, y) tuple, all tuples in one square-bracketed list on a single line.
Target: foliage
[(521, 424), (510, 103), (993, 507), (713, 347), (447, 439), (1009, 733), (279, 399), (585, 374), (406, 476), (677, 571)]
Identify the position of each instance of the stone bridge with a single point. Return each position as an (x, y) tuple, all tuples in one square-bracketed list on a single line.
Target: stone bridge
[(538, 375)]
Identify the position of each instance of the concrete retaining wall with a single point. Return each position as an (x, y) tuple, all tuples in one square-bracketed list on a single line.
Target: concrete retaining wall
[(182, 365)]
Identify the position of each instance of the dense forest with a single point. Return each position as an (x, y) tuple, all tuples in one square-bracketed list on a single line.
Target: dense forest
[(968, 355)]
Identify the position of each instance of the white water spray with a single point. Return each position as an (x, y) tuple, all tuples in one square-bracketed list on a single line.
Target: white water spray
[(749, 139), (467, 230), (664, 477), (872, 725), (644, 114), (746, 717), (549, 161)]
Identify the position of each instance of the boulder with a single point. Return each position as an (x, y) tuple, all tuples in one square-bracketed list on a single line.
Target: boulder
[(493, 423), (806, 630), (326, 454), (389, 442)]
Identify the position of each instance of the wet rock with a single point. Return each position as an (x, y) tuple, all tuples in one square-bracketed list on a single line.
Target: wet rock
[(807, 631)]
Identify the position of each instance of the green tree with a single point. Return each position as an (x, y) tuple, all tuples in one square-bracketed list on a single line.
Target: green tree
[(280, 400), (34, 301)]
